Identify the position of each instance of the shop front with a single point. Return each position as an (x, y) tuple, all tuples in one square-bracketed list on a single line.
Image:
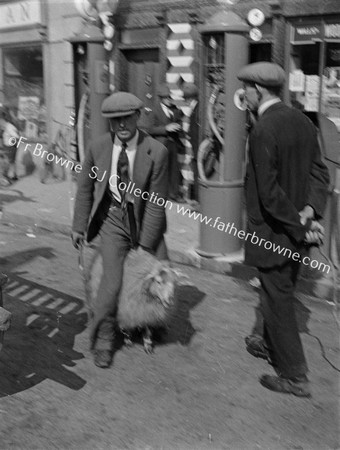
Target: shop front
[(314, 67), (23, 83), (22, 67)]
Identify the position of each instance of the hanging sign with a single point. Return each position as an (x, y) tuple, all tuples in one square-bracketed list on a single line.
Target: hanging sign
[(255, 34), (307, 33), (332, 31), (20, 14), (255, 17)]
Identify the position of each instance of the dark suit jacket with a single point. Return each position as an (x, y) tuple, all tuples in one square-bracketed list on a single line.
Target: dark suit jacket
[(160, 120), (285, 172), (150, 174)]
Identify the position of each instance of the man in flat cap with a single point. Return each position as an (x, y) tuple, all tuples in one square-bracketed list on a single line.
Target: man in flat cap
[(123, 172), (286, 192), (166, 127)]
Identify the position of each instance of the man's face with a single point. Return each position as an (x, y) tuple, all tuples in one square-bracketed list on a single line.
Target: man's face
[(125, 127), (252, 97)]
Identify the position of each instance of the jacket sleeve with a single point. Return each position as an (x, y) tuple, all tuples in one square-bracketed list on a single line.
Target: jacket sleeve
[(154, 219), (157, 128), (318, 181), (272, 197), (84, 197)]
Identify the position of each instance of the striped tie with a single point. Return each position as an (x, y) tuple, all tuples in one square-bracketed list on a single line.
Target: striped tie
[(126, 200), (123, 173)]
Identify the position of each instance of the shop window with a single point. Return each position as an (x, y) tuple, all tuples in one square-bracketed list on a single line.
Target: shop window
[(314, 80), (330, 99), (24, 90), (304, 80)]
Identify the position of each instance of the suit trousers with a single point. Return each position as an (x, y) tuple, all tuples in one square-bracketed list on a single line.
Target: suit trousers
[(175, 176), (280, 324), (114, 247)]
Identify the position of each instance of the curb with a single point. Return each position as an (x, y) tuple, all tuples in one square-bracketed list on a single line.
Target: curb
[(321, 289)]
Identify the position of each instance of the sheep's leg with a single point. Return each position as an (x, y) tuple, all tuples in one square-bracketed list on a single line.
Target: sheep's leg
[(127, 338), (147, 340)]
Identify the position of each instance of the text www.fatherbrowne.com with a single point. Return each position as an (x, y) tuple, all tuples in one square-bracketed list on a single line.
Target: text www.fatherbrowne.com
[(252, 237), (229, 228)]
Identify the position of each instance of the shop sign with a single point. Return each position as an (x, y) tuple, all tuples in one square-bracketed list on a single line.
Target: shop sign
[(307, 33), (18, 14), (332, 30)]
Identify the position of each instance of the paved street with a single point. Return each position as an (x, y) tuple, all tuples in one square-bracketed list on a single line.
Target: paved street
[(199, 390)]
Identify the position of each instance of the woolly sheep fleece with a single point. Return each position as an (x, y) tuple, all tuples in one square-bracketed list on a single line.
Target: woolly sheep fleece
[(149, 293)]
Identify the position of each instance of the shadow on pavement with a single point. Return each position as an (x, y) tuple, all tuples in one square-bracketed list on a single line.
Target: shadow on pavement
[(16, 259), (39, 344), (9, 195)]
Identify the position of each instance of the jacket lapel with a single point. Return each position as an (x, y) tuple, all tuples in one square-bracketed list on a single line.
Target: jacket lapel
[(143, 161), (104, 165)]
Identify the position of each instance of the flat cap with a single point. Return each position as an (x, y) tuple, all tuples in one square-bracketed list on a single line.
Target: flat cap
[(189, 90), (263, 73), (163, 91), (121, 104)]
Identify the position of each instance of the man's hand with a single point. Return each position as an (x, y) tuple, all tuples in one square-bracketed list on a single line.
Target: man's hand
[(77, 239), (306, 213), (315, 234), (173, 127)]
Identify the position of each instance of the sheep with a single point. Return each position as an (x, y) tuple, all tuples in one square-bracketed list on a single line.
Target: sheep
[(148, 297)]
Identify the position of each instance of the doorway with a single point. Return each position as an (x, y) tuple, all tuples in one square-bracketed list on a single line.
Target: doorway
[(143, 75)]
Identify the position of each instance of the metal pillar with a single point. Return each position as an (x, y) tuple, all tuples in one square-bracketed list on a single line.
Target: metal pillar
[(222, 200)]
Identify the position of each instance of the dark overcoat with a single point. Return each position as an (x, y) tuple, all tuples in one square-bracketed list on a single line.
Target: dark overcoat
[(285, 172), (160, 120), (150, 175)]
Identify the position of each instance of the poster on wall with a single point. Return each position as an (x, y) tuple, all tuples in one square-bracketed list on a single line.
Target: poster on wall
[(312, 93), (297, 81), (28, 108)]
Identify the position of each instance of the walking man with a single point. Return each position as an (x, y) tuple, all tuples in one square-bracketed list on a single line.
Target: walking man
[(286, 192), (124, 218)]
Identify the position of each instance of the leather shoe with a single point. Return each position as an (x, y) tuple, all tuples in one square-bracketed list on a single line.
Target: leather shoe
[(255, 345), (103, 358), (296, 386)]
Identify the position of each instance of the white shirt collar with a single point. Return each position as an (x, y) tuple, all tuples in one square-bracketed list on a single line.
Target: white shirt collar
[(267, 105), (131, 144)]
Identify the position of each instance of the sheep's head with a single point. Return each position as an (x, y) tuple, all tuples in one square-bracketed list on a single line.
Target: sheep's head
[(160, 284)]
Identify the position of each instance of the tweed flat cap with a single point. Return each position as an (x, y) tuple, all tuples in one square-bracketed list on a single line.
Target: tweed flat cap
[(163, 91), (121, 104), (190, 90), (263, 73)]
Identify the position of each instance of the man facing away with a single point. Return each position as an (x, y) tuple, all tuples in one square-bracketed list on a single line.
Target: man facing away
[(123, 218), (286, 192)]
